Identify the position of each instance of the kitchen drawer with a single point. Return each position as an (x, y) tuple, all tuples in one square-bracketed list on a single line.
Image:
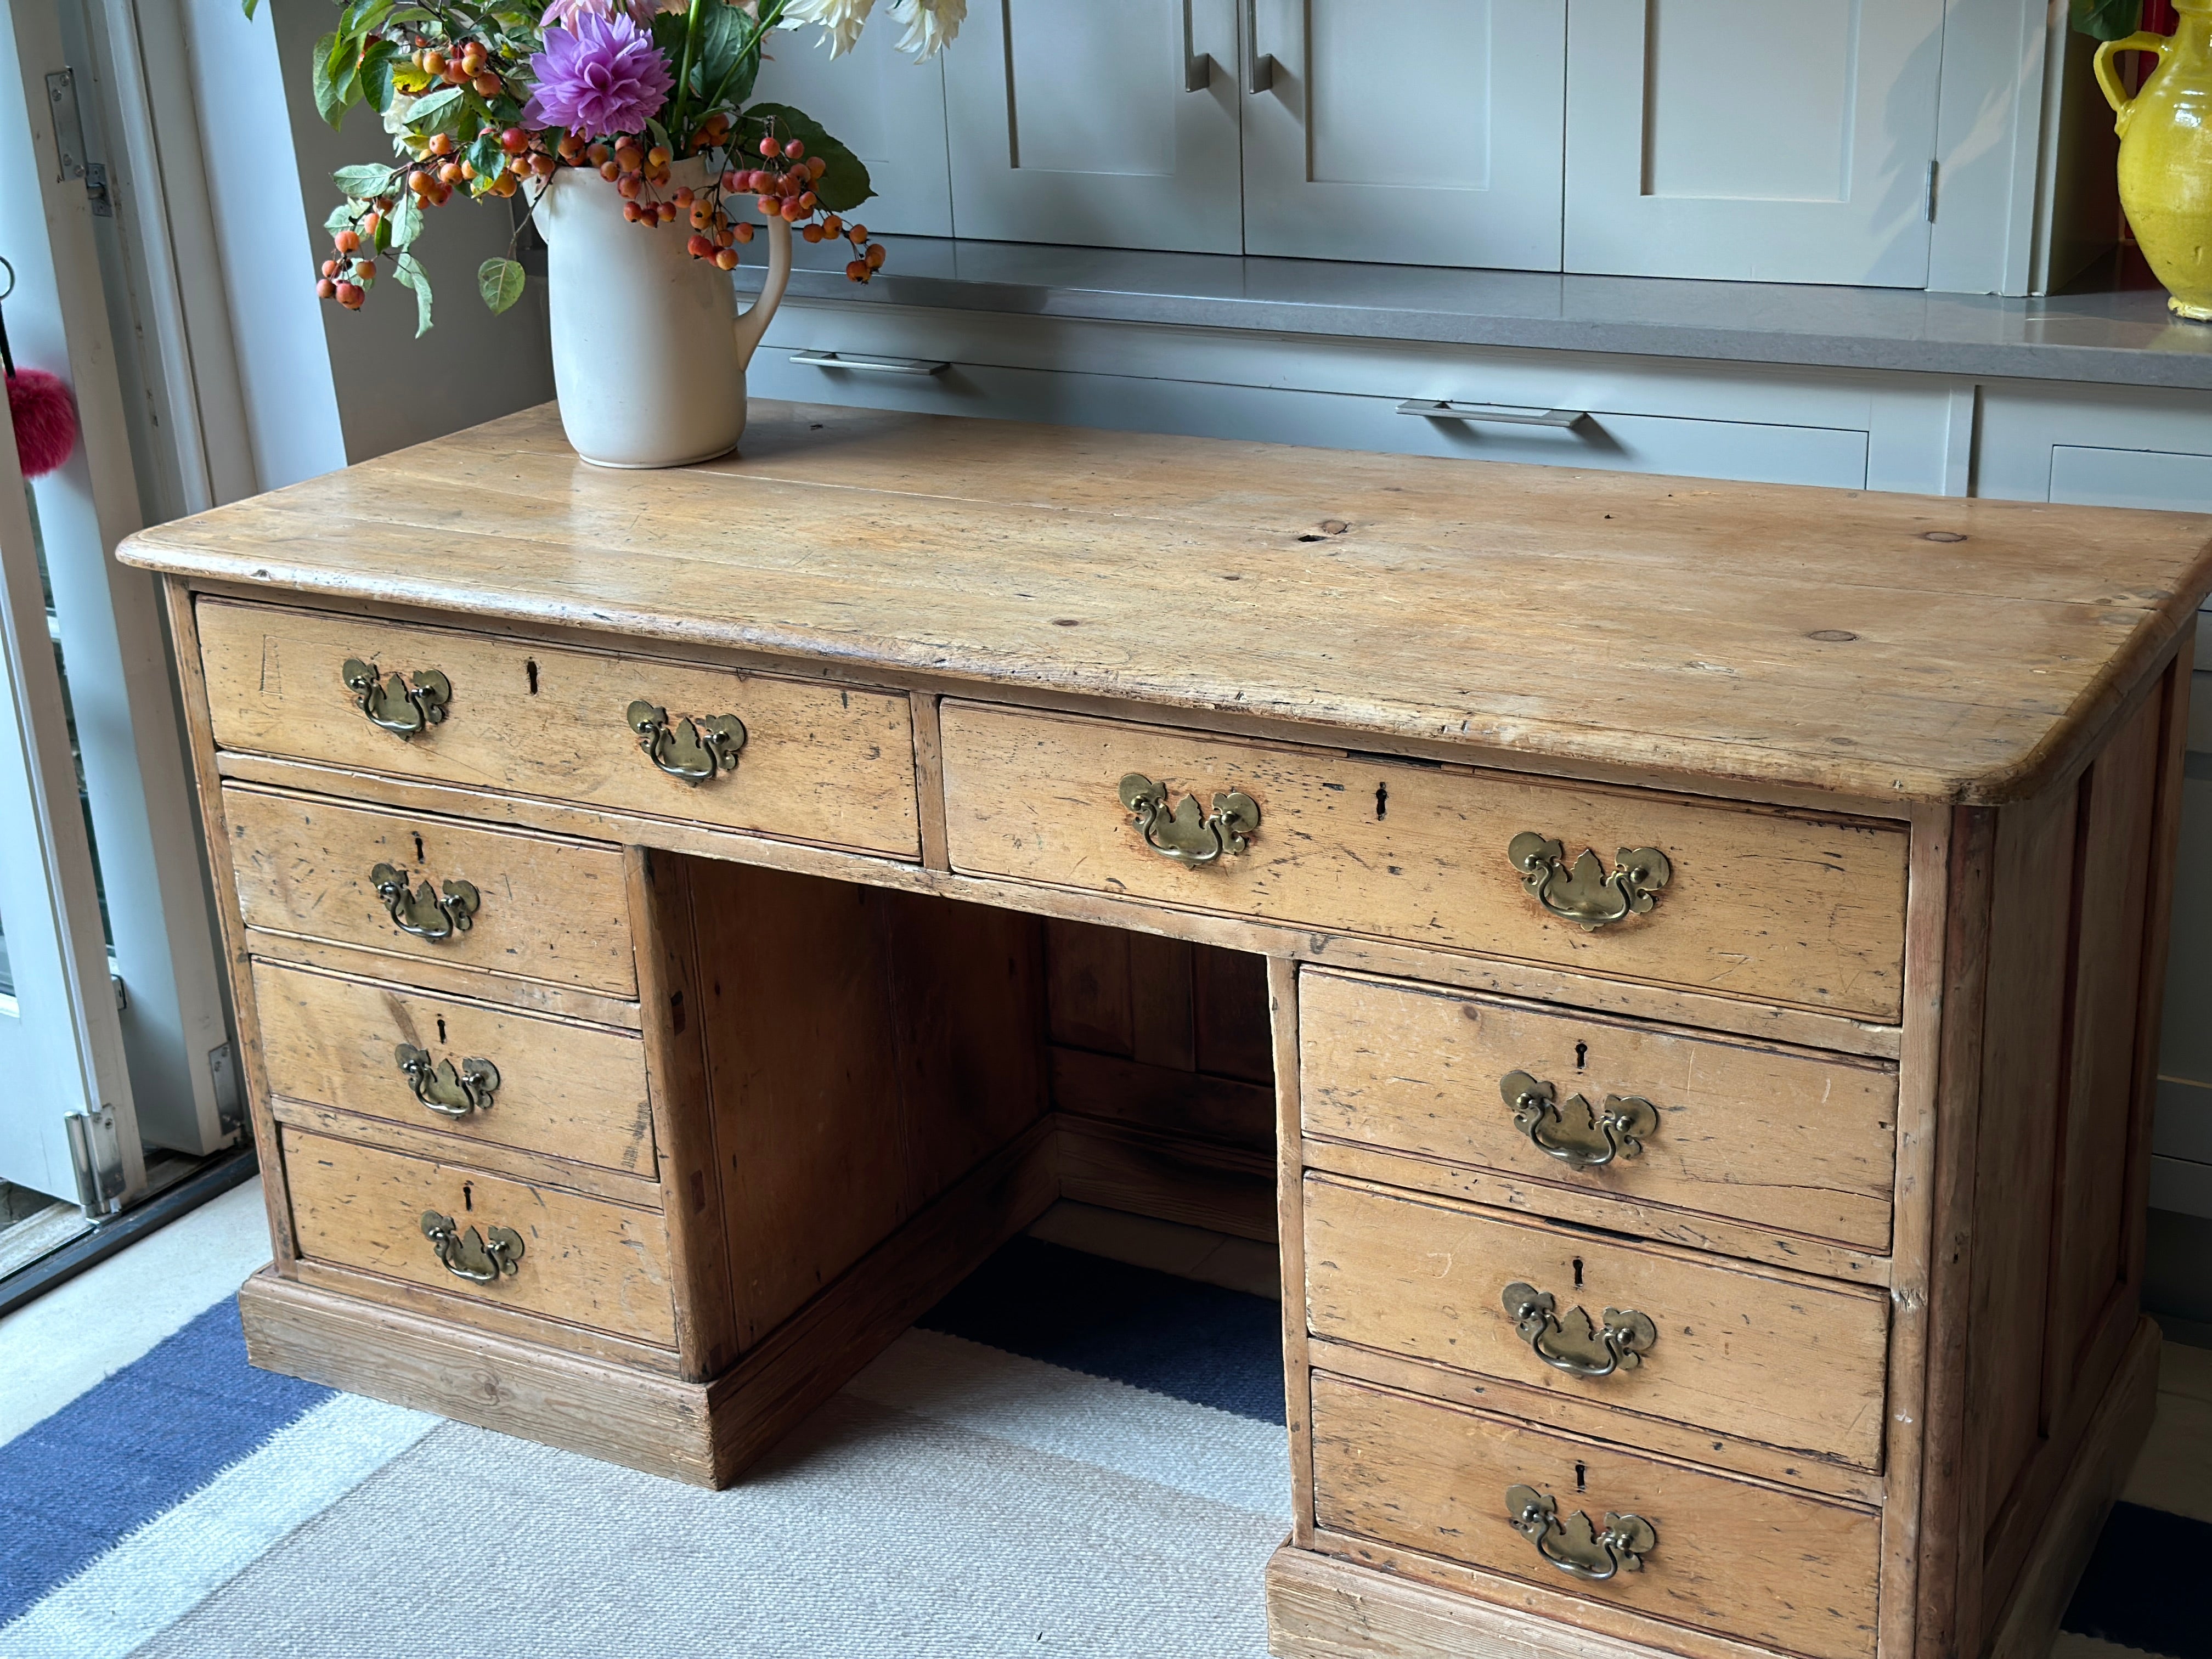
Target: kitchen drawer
[(552, 1086), (546, 908), (819, 762), (1778, 1568), (582, 1260), (1802, 1142), (1781, 907), (1720, 1345)]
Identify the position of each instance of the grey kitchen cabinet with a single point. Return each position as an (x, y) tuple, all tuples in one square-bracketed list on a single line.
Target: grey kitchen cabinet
[(1757, 140), (886, 109), (1421, 132), (1106, 125)]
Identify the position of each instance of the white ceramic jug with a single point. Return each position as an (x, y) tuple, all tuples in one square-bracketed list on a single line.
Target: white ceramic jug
[(649, 351)]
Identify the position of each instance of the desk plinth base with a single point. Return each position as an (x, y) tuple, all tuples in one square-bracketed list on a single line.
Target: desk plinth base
[(702, 1433)]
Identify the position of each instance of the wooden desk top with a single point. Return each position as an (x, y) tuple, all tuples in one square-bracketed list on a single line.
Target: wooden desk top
[(1573, 619)]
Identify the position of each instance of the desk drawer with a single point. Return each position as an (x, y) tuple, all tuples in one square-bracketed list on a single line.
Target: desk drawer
[(1782, 1570), (824, 764), (1799, 1142), (568, 1091), (582, 1260), (546, 907), (1778, 906), (1779, 1360)]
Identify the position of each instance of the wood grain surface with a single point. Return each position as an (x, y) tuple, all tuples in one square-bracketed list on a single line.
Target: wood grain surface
[(1771, 1358), (1750, 1561), (550, 909), (1776, 906), (1802, 1142), (573, 1092), (597, 1264), (821, 762), (1563, 617)]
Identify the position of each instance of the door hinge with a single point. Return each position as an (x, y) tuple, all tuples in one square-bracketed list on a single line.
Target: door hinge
[(1927, 206), (69, 142), (97, 1153), (229, 1097)]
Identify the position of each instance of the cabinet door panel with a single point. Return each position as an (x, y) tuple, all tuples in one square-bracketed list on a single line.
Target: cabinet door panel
[(1758, 140), (1426, 132), (1069, 121), (887, 109)]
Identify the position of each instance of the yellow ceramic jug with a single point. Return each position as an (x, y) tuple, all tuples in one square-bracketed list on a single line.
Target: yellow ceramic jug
[(2165, 154)]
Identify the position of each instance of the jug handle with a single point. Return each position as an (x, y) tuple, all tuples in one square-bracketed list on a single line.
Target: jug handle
[(753, 321), (2108, 80)]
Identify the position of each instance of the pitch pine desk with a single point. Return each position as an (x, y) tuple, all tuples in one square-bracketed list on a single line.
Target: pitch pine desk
[(1677, 964)]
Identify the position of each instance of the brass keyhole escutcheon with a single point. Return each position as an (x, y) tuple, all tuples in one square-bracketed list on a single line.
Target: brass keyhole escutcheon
[(1185, 831), (1580, 1135), (394, 704), (1573, 1342), (692, 750), (425, 912), (1587, 894), (1573, 1543), (445, 1089)]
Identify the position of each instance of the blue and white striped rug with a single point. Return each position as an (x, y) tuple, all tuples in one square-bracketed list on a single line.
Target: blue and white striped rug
[(1070, 1455)]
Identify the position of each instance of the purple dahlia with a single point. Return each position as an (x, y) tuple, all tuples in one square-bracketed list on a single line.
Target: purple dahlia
[(599, 77)]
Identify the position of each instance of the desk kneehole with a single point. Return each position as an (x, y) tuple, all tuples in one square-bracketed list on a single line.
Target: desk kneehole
[(1747, 902)]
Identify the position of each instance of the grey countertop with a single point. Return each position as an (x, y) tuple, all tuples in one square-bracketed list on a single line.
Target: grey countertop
[(2113, 327)]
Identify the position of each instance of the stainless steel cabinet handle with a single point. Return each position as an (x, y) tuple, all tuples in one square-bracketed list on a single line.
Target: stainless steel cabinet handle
[(871, 365), (1197, 66), (1258, 67), (1493, 414)]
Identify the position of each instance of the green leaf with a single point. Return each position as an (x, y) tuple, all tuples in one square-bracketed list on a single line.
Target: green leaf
[(327, 81), (500, 281), (2107, 20), (341, 217), (376, 65), (845, 185), (407, 270), (720, 43), (249, 7), (367, 180), (484, 155), (438, 112), (407, 219), (668, 27)]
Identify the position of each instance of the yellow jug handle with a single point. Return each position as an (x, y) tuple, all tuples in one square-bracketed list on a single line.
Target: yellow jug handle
[(2108, 79)]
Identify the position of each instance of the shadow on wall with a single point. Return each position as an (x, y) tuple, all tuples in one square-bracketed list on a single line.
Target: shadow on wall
[(393, 388)]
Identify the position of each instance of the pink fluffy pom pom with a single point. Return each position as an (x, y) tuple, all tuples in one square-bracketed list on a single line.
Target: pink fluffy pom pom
[(46, 419)]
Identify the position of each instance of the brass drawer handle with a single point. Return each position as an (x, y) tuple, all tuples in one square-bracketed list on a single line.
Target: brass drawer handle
[(390, 704), (1620, 1345), (693, 750), (1617, 1129), (1586, 894), (1188, 833), (424, 913), (470, 1255), (1574, 1545), (448, 1090)]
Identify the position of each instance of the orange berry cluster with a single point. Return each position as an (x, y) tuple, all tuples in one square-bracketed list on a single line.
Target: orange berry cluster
[(783, 188), (463, 63), (347, 274)]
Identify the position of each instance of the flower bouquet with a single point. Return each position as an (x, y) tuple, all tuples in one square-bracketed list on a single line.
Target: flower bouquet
[(603, 116)]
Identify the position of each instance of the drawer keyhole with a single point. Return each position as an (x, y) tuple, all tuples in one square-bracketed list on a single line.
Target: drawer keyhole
[(441, 1029), (1581, 1055), (1582, 1477), (1381, 800), (1578, 1273), (530, 672), (469, 1200), (420, 858)]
